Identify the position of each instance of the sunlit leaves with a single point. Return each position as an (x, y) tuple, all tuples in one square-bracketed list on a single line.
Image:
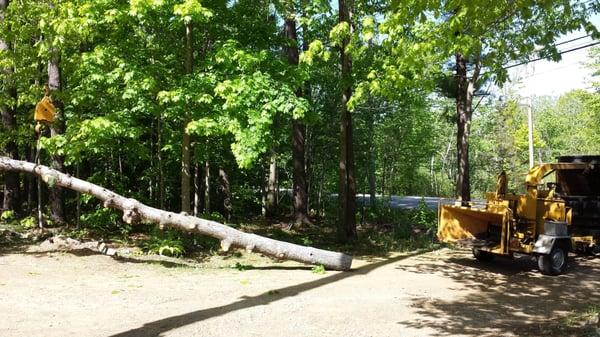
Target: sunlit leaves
[(192, 10), (339, 33)]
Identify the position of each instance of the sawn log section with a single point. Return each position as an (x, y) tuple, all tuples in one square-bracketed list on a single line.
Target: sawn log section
[(134, 210)]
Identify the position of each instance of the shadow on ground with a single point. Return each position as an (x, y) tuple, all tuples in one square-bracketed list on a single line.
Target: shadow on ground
[(156, 328), (509, 297)]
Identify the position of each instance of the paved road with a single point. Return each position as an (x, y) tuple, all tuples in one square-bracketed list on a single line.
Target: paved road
[(405, 202)]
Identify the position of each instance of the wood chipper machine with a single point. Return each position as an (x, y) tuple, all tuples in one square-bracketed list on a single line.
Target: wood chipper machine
[(547, 221)]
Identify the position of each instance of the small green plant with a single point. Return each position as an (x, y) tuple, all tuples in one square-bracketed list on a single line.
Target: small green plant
[(78, 233), (242, 267), (307, 241), (102, 220), (166, 243), (28, 222), (319, 269), (214, 216), (424, 216), (591, 313), (7, 216)]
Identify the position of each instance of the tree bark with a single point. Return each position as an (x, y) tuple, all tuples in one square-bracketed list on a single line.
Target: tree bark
[(186, 141), (207, 186), (463, 187), (298, 130), (12, 195), (134, 211), (57, 201), (271, 192), (226, 191), (371, 164), (347, 186), (197, 190), (464, 111)]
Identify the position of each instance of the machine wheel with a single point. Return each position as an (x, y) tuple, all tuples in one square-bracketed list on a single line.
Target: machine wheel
[(482, 255), (554, 263)]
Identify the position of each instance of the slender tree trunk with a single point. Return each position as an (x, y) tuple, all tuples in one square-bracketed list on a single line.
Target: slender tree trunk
[(371, 164), (226, 190), (57, 201), (207, 186), (197, 189), (161, 172), (271, 193), (383, 175), (299, 174), (347, 185), (29, 180), (464, 111), (298, 130), (12, 195), (463, 185), (186, 141)]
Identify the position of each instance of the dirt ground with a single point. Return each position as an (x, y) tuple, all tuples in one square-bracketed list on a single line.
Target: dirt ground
[(439, 293)]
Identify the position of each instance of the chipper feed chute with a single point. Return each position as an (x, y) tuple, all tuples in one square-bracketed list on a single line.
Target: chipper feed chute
[(475, 227)]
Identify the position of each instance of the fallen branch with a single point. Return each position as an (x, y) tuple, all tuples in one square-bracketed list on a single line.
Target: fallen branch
[(134, 211)]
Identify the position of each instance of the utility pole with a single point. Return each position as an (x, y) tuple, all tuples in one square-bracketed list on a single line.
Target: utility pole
[(530, 127)]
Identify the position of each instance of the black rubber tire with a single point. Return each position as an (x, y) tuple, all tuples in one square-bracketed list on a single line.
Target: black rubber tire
[(482, 255), (554, 263)]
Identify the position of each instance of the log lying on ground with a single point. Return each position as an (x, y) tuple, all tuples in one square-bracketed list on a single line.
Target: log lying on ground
[(134, 211)]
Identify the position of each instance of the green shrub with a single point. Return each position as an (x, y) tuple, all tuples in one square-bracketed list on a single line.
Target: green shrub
[(424, 216), (167, 243), (7, 216), (105, 221), (214, 216), (29, 222)]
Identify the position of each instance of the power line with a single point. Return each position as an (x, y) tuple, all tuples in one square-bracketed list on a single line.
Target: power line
[(560, 53), (572, 40)]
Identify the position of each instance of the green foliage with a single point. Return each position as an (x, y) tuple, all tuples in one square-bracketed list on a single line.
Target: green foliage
[(7, 216), (105, 221), (318, 269), (424, 216), (29, 222), (127, 99), (167, 243), (241, 267)]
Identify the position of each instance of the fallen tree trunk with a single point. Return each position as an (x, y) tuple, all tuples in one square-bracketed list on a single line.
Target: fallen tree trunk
[(134, 211)]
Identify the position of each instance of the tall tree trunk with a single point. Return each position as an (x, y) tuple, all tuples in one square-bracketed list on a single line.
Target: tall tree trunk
[(464, 111), (347, 186), (12, 195), (383, 175), (226, 190), (197, 190), (207, 186), (271, 192), (463, 186), (298, 130), (371, 164), (159, 157), (57, 200), (186, 141)]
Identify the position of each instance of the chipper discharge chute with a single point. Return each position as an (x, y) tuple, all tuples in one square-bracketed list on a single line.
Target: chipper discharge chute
[(547, 221)]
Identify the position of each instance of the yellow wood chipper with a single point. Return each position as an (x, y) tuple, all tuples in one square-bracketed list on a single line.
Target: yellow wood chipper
[(547, 221)]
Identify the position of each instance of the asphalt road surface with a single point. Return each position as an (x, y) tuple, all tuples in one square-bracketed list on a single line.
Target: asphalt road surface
[(404, 202)]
